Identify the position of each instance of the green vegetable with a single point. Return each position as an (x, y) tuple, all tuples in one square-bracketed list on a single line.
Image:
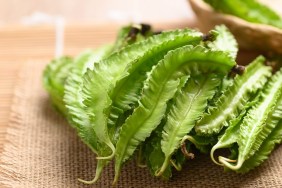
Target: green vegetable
[(233, 101), (77, 115), (249, 10), (165, 96), (97, 87), (189, 106), (130, 34), (254, 129), (230, 135), (54, 77), (155, 156), (153, 150), (274, 137), (160, 86), (224, 41), (202, 143), (56, 73), (63, 80), (72, 88), (127, 90)]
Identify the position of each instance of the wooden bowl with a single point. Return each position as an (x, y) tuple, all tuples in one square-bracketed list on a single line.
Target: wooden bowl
[(250, 36)]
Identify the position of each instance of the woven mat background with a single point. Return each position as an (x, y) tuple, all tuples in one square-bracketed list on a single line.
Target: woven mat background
[(41, 150)]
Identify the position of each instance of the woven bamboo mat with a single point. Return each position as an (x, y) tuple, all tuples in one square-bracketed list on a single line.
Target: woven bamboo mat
[(39, 149)]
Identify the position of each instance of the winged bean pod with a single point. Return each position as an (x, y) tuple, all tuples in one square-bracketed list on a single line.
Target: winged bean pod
[(254, 128), (77, 113), (166, 94), (98, 83), (159, 88), (274, 131), (126, 91), (189, 106), (54, 77), (235, 98)]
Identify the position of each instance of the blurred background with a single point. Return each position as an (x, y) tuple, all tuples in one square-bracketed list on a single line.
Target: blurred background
[(30, 12), (49, 28), (93, 11)]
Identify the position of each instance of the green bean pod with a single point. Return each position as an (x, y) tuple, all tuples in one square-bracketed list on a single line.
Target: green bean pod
[(99, 82), (160, 87), (127, 90), (54, 77), (254, 128), (189, 106), (274, 137), (234, 100)]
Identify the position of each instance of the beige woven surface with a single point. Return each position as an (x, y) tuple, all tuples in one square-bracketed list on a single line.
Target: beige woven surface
[(39, 149)]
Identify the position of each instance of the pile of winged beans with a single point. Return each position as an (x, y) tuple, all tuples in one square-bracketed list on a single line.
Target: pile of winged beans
[(163, 96)]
